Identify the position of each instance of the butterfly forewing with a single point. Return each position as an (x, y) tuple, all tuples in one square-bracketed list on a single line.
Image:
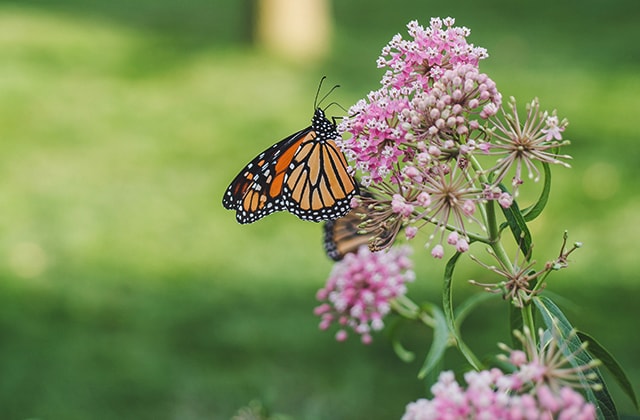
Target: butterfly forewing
[(305, 174)]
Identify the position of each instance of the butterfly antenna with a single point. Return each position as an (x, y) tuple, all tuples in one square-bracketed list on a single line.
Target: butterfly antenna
[(336, 118), (335, 103), (316, 102), (328, 93)]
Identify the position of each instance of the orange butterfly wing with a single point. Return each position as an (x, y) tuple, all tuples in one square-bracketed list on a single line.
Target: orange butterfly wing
[(305, 174), (361, 226), (344, 235), (319, 186), (257, 190)]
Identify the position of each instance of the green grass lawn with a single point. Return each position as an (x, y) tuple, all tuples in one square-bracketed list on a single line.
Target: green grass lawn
[(127, 291)]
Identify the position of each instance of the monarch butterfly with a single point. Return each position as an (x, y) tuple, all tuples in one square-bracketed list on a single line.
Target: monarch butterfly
[(305, 174), (362, 226)]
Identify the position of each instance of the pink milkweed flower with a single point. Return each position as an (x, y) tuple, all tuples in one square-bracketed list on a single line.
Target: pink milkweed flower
[(400, 206), (375, 138), (554, 129), (437, 252), (430, 51), (431, 87), (410, 232), (452, 201), (445, 113), (505, 200), (413, 139), (542, 384), (359, 290)]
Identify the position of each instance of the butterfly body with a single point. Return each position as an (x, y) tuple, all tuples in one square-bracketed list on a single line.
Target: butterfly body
[(305, 174)]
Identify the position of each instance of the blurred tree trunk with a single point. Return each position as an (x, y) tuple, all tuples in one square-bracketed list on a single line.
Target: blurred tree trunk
[(296, 29)]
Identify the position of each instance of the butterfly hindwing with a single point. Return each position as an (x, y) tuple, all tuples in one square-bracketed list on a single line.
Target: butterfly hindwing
[(343, 236), (362, 226), (318, 185), (257, 190)]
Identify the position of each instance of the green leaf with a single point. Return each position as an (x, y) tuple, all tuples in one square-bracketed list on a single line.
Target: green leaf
[(607, 359), (440, 341), (515, 323), (555, 320), (465, 308), (447, 305), (518, 226), (403, 354), (534, 211)]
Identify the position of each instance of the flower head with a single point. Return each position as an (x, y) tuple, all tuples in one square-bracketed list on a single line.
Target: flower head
[(522, 144), (518, 277), (520, 280), (432, 196), (542, 385), (359, 290), (423, 58), (548, 362), (449, 108), (430, 91), (376, 138), (412, 139), (483, 398)]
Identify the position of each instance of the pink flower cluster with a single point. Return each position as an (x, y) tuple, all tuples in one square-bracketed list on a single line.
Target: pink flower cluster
[(491, 394), (415, 140), (431, 92), (412, 138), (541, 386), (445, 110), (421, 59), (443, 196), (360, 288), (376, 139)]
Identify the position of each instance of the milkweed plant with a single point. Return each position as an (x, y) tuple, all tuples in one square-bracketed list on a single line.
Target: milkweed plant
[(439, 150)]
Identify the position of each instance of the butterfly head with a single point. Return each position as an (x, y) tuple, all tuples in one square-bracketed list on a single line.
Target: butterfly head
[(325, 129)]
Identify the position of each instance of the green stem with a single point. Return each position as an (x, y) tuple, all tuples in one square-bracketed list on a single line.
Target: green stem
[(492, 222), (447, 307), (406, 308), (501, 255), (494, 237), (483, 181), (474, 237), (527, 319), (478, 169), (540, 282), (499, 251)]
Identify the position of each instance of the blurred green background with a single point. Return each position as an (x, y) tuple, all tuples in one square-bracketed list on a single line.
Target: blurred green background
[(127, 291)]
